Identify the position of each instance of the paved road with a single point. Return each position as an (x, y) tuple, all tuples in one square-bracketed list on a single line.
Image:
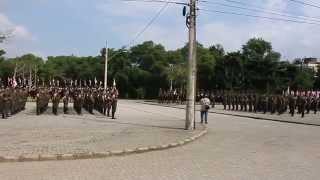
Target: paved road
[(135, 126), (234, 148)]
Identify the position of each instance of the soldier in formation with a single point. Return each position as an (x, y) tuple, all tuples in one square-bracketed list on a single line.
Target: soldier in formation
[(251, 102), (300, 103), (171, 96), (91, 99), (12, 101)]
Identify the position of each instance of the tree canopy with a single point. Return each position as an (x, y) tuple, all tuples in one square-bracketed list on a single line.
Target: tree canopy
[(145, 68)]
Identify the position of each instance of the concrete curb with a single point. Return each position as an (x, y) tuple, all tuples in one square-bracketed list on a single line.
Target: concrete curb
[(95, 155)]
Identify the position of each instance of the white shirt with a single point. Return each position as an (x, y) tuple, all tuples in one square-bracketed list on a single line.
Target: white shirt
[(204, 102)]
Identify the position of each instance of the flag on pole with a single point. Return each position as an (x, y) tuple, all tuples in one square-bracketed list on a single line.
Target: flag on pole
[(14, 82)]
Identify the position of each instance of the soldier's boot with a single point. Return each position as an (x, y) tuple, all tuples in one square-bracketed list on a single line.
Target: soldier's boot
[(55, 112), (113, 113), (108, 112), (302, 114), (65, 110)]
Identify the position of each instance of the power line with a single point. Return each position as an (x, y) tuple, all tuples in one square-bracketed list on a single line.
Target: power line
[(311, 4), (158, 1), (260, 17), (246, 5), (152, 20), (266, 12), (149, 23)]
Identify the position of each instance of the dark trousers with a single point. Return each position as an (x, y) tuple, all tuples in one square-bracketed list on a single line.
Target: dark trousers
[(204, 114), (65, 108), (114, 108)]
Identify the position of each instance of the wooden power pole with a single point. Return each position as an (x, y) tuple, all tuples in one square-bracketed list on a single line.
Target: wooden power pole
[(192, 67)]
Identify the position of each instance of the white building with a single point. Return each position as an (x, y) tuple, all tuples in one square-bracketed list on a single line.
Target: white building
[(312, 63)]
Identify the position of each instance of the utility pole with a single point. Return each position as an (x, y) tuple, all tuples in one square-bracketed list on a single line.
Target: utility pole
[(30, 77), (35, 75), (192, 67), (171, 71), (106, 67)]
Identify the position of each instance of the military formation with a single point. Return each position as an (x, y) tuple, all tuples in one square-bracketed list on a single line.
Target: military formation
[(12, 101), (171, 96), (293, 103), (302, 103), (102, 100)]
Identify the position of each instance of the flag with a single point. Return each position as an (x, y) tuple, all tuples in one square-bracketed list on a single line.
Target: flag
[(114, 83), (14, 82)]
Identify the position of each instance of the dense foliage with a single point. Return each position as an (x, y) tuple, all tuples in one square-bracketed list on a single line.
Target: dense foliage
[(145, 68)]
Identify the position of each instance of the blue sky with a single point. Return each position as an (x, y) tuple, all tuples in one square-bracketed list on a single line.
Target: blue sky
[(81, 27)]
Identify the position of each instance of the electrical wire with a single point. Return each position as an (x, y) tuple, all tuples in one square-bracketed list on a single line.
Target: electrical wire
[(246, 5), (256, 16), (152, 20), (267, 12), (311, 4), (158, 1)]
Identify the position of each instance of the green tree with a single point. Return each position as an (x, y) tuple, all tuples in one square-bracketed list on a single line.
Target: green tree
[(304, 80), (260, 64)]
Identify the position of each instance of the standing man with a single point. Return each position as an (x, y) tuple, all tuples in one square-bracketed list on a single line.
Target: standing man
[(205, 106), (114, 100), (292, 104), (6, 104), (65, 102), (55, 103), (1, 105)]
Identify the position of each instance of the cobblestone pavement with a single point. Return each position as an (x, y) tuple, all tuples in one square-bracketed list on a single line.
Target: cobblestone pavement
[(135, 126), (311, 118), (235, 148)]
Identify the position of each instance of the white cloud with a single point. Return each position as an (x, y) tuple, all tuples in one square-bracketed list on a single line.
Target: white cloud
[(290, 39), (127, 9), (20, 39)]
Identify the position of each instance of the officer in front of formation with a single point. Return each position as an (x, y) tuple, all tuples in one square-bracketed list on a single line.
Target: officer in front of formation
[(55, 103), (65, 100), (114, 101)]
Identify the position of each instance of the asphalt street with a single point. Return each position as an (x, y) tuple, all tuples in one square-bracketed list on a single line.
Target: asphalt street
[(234, 148)]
